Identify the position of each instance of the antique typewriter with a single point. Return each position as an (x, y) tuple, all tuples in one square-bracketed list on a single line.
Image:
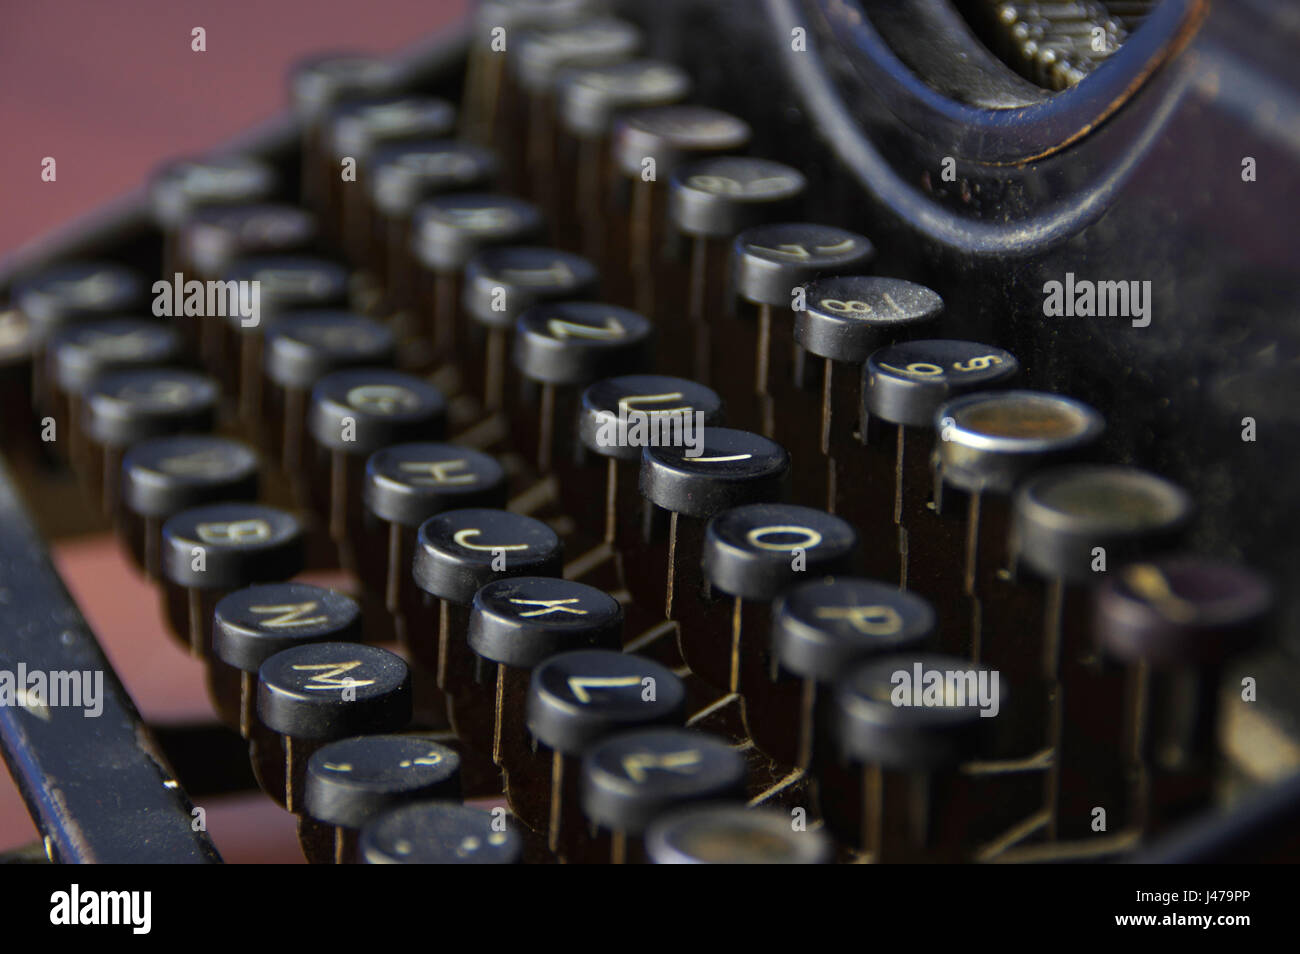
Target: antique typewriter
[(796, 431)]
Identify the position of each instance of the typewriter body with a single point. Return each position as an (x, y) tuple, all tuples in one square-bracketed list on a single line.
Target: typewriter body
[(674, 393)]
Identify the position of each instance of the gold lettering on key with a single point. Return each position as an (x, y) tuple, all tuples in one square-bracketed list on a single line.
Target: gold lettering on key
[(291, 614), (235, 532), (638, 765), (811, 537), (461, 537), (549, 606), (579, 685), (330, 676), (869, 620), (439, 472)]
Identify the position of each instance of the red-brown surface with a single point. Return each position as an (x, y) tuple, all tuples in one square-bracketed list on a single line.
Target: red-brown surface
[(110, 90)]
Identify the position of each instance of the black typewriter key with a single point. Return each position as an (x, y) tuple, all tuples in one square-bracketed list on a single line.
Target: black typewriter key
[(559, 348), (1071, 526), (165, 475), (440, 833), (317, 693), (845, 319), (823, 627), (519, 622), (502, 283), (576, 699), (213, 237), (987, 442), (401, 177), (351, 781), (648, 145), (78, 354), (353, 413), (538, 57), (71, 293), (302, 349), (588, 101), (710, 201), (316, 85), (619, 417), (209, 550), (728, 468), (731, 835), (179, 188), (902, 387), (208, 244), (124, 407), (404, 486), (286, 284), (356, 130), (446, 232), (751, 555), (769, 264), (252, 624), (1173, 623), (632, 778), (909, 722)]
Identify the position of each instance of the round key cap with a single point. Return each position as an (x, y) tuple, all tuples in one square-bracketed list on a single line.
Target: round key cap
[(123, 407), (1063, 515), (758, 550), (74, 292), (538, 56), (575, 342), (521, 621), (448, 230), (460, 551), (404, 174), (722, 195), (501, 283), (252, 624), (353, 780), (333, 690), (360, 410), (589, 98), (80, 353), (357, 128), (989, 440), (440, 833), (732, 835), (578, 697), (916, 712), (630, 779), (731, 468), (290, 283), (165, 475), (672, 135), (321, 81), (769, 261), (849, 316), (905, 383), (213, 237), (229, 545), (622, 415), (308, 345), (409, 483), (178, 188), (1181, 610), (822, 627)]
